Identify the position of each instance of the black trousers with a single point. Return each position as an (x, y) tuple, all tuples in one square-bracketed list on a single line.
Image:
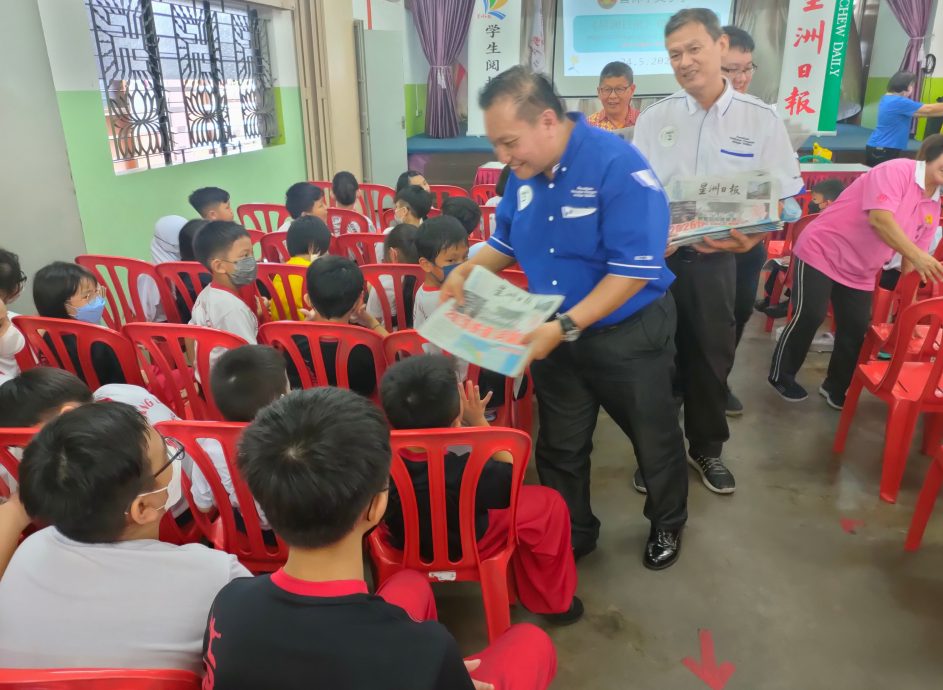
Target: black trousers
[(626, 369), (875, 155), (811, 293), (706, 340), (749, 266)]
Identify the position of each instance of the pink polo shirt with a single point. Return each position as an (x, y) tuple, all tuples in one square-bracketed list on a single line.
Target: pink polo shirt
[(841, 242)]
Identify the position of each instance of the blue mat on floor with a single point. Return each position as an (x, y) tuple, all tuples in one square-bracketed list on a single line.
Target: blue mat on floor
[(420, 143), (849, 138)]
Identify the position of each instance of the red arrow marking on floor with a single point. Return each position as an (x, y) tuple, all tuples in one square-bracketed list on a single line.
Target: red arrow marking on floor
[(851, 525), (714, 676)]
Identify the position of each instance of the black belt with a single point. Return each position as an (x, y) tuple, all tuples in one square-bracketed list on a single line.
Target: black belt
[(591, 331)]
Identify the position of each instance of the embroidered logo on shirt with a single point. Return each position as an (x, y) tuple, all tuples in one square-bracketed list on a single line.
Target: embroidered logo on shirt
[(577, 211), (584, 192), (647, 179), (524, 196), (742, 141), (668, 136)]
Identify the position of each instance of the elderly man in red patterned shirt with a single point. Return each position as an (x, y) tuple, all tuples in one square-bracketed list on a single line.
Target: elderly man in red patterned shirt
[(615, 90)]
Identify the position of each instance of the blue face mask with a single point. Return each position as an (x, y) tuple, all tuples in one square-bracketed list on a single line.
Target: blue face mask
[(448, 269), (91, 312)]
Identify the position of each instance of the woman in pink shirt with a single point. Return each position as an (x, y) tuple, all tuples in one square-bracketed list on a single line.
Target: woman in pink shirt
[(895, 207)]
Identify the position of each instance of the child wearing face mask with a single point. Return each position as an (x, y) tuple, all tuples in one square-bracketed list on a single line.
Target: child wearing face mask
[(308, 239), (12, 279), (411, 205), (64, 290), (399, 247)]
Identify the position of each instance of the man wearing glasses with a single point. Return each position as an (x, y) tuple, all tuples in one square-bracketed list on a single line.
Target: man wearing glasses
[(615, 90)]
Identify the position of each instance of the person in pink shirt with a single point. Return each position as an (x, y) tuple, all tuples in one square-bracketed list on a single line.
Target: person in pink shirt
[(893, 208)]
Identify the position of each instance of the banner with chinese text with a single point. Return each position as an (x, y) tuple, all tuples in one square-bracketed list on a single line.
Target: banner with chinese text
[(813, 61), (494, 45)]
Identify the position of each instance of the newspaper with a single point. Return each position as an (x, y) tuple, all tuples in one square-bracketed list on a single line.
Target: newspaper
[(488, 329), (704, 207)]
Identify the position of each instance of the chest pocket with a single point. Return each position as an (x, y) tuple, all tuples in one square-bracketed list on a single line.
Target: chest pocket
[(576, 232)]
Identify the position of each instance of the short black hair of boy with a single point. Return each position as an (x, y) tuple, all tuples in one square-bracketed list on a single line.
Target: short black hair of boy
[(335, 283), (421, 392), (246, 379), (37, 394), (84, 468), (403, 180), (187, 233), (402, 238), (417, 199), (438, 234), (203, 199), (502, 180), (314, 460), (739, 39), (900, 82), (300, 197), (829, 188), (55, 284), (345, 186), (306, 232), (214, 239), (465, 210), (12, 277)]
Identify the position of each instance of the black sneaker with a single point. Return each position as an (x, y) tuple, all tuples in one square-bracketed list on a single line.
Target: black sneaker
[(833, 401), (638, 482), (789, 390), (734, 406), (715, 476), (777, 311), (571, 615)]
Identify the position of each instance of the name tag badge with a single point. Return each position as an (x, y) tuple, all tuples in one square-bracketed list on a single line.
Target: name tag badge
[(577, 211), (668, 136), (524, 196)]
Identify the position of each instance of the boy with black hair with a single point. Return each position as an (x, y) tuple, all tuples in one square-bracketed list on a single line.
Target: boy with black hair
[(212, 203), (344, 188), (420, 392), (442, 244), (411, 177), (411, 205), (318, 461), (465, 210), (103, 479), (304, 199), (308, 239), (12, 341)]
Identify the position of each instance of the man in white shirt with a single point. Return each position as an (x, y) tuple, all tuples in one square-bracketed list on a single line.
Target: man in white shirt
[(709, 128), (96, 588)]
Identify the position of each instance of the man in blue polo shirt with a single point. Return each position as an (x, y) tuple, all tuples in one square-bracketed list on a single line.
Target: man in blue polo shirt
[(587, 219)]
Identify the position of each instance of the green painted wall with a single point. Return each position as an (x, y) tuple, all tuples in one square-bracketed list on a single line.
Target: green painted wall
[(118, 211), (415, 108)]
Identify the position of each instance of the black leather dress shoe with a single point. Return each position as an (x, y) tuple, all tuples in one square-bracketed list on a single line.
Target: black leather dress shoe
[(662, 549)]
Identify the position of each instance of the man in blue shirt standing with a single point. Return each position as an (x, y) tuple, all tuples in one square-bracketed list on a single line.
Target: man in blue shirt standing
[(587, 219), (896, 110)]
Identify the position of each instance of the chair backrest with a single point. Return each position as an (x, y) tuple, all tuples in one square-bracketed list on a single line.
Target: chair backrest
[(312, 367), (249, 545), (376, 198), (403, 343), (123, 278), (51, 340), (886, 305), (326, 188), (515, 278), (274, 247), (404, 291), (929, 315), (97, 679), (264, 217), (480, 193), (362, 247), (793, 230), (434, 444), (185, 278), (163, 350), (269, 273), (12, 438), (340, 221), (441, 192)]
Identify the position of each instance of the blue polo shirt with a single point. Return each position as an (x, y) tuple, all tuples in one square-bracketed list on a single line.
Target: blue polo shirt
[(895, 114), (603, 213)]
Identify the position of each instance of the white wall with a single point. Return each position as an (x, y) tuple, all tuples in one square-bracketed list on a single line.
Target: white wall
[(889, 44)]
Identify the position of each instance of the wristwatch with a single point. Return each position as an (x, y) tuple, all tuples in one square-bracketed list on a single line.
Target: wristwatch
[(571, 332)]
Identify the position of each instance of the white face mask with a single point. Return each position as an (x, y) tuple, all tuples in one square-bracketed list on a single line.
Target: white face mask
[(174, 487)]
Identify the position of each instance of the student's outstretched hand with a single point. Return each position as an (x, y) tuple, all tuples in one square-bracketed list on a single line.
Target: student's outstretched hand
[(473, 405), (471, 665)]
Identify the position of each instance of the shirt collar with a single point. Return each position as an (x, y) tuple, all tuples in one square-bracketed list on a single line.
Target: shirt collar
[(920, 171), (305, 588), (722, 103), (580, 128)]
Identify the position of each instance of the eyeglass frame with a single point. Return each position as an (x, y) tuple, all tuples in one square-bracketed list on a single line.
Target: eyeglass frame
[(609, 90), (730, 72), (179, 450)]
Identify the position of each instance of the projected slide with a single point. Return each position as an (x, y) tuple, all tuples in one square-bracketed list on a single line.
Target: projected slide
[(596, 32)]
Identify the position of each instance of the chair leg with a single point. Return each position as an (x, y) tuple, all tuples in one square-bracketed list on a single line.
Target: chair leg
[(495, 596), (928, 494), (932, 433), (847, 414), (901, 420)]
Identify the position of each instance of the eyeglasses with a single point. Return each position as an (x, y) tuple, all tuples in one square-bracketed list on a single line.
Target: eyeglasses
[(609, 90), (99, 291), (175, 451), (745, 72)]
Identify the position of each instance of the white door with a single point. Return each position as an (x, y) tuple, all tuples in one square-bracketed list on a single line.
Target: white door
[(383, 106)]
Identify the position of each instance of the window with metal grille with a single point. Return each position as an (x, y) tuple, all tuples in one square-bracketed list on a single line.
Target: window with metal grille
[(182, 80)]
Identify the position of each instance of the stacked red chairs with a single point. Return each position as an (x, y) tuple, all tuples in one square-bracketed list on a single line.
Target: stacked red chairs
[(480, 193)]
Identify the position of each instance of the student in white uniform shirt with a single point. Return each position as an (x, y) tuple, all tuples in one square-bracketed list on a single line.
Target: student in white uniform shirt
[(708, 128), (304, 199), (399, 247), (12, 341), (165, 247)]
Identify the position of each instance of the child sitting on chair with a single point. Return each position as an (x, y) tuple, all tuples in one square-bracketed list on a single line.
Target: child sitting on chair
[(304, 199), (411, 205), (308, 239), (212, 203), (344, 187), (12, 341), (399, 247)]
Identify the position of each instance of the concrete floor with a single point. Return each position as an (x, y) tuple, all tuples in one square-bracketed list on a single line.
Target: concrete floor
[(792, 600)]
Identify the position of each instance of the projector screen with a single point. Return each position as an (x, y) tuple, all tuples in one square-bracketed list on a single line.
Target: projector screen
[(591, 33)]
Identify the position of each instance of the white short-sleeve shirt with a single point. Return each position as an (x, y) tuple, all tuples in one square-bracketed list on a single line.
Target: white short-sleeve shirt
[(738, 134)]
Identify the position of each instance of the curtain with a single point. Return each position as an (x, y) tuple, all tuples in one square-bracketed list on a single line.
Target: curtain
[(765, 21), (914, 18), (442, 28)]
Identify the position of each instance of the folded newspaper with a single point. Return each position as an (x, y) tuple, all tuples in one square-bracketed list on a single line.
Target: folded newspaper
[(488, 329), (703, 207)]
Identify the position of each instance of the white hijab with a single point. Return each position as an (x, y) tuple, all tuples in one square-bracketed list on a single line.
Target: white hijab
[(165, 246)]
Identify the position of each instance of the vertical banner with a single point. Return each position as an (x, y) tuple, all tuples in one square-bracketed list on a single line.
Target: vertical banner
[(494, 45), (813, 61)]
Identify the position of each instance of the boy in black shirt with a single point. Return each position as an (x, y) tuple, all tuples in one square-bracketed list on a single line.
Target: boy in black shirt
[(318, 463), (422, 392)]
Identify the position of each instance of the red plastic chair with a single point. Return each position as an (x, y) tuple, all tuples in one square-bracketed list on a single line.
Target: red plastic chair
[(777, 249), (514, 277), (441, 192), (12, 438), (326, 188), (120, 276), (925, 502), (480, 193), (282, 334), (490, 570), (248, 546), (269, 273), (340, 221), (263, 217), (908, 383), (362, 247), (97, 679), (376, 198), (164, 347), (274, 248), (373, 273), (172, 274), (53, 352)]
